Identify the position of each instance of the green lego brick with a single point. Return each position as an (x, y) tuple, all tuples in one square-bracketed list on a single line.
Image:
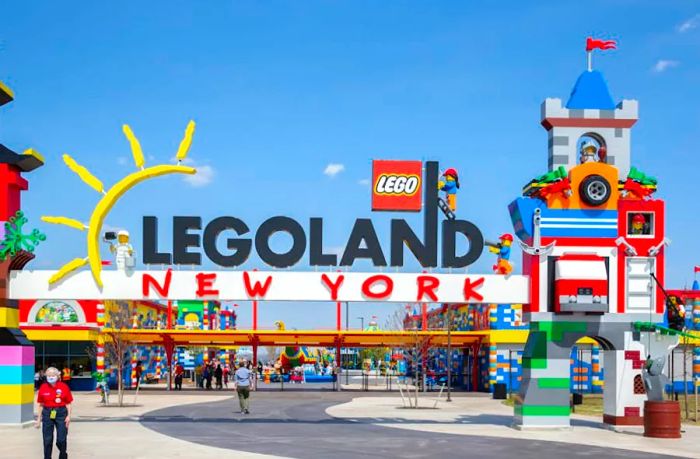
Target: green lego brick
[(534, 364), (556, 330), (553, 383), (542, 410)]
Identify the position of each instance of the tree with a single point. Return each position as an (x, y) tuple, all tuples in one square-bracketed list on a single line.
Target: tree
[(116, 342)]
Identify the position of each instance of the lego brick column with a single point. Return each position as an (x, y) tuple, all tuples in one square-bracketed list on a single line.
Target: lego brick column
[(544, 393), (597, 375), (16, 368), (696, 350)]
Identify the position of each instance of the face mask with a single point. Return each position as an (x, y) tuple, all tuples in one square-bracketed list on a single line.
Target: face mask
[(52, 379)]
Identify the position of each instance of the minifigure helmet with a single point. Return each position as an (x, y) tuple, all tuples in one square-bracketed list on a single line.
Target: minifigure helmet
[(506, 237), (638, 218), (123, 233), (587, 145)]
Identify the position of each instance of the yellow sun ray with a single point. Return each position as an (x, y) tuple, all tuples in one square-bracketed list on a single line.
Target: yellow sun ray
[(135, 146), (84, 174), (107, 202), (186, 142), (110, 198), (67, 268), (71, 222)]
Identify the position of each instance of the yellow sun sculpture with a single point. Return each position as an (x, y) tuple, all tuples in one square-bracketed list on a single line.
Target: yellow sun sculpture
[(110, 198)]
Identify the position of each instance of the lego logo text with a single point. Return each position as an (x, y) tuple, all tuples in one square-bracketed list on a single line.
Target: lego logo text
[(393, 184)]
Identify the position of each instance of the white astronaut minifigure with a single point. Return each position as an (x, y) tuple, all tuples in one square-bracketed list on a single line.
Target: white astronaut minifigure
[(123, 252)]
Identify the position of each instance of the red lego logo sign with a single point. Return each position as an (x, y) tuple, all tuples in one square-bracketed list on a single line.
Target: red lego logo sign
[(396, 185)]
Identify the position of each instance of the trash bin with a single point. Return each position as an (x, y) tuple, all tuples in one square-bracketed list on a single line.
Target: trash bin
[(577, 399), (500, 391)]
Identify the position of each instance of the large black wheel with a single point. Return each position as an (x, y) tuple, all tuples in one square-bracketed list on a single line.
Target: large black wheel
[(595, 190)]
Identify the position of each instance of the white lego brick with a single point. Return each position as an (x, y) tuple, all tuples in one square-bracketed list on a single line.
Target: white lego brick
[(552, 108)]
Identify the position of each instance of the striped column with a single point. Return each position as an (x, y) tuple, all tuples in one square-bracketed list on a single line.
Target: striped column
[(696, 365), (100, 309), (493, 367), (16, 368), (100, 355), (597, 380), (158, 359), (134, 362)]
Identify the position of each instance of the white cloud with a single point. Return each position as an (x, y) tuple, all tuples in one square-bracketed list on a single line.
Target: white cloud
[(689, 24), (364, 182), (203, 177), (664, 64), (333, 169)]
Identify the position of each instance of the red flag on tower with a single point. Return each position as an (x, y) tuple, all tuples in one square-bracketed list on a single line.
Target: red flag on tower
[(595, 43), (696, 269)]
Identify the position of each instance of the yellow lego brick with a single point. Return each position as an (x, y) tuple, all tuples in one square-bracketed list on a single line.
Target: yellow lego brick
[(9, 317), (16, 394)]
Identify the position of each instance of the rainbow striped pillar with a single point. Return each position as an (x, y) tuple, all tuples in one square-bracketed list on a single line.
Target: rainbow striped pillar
[(134, 362), (493, 357), (597, 381), (16, 368), (158, 359), (696, 365)]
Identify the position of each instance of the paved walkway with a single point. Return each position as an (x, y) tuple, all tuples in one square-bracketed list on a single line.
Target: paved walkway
[(320, 425), (310, 424)]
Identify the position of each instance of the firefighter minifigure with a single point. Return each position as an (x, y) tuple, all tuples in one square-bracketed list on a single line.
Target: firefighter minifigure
[(123, 251), (502, 249), (638, 223), (450, 185)]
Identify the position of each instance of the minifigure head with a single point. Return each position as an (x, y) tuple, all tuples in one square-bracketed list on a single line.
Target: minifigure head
[(451, 175), (506, 239), (123, 237), (638, 222), (588, 152)]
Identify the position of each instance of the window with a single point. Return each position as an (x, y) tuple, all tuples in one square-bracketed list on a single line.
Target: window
[(640, 224), (591, 148)]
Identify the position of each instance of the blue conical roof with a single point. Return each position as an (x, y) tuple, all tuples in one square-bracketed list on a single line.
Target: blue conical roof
[(591, 91)]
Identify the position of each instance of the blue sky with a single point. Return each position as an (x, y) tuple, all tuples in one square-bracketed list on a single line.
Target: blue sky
[(282, 89)]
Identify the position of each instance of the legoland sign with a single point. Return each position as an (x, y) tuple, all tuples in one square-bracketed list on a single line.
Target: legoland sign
[(274, 286), (398, 182), (191, 239)]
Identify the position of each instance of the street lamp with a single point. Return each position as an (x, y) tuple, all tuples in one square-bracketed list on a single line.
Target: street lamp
[(362, 326), (449, 352)]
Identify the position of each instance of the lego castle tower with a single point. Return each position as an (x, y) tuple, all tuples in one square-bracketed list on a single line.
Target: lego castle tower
[(590, 111)]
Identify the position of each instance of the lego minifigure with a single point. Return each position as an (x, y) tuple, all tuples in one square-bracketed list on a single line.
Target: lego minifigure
[(638, 224), (450, 185), (123, 251), (502, 249), (588, 152)]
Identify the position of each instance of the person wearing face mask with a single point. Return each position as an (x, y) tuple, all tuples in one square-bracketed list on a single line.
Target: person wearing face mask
[(54, 408)]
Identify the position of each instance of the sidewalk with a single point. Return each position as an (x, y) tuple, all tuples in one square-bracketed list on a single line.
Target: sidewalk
[(483, 416), (116, 433)]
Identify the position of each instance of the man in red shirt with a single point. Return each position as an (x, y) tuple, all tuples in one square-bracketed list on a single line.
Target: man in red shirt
[(54, 407)]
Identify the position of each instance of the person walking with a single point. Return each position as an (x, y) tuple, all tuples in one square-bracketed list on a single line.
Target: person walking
[(219, 374), (226, 372), (54, 401), (179, 371), (206, 376), (242, 381)]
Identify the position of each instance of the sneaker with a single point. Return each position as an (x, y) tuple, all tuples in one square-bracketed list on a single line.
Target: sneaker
[(247, 412)]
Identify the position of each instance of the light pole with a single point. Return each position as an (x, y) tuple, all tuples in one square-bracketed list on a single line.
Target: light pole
[(362, 319), (449, 353), (347, 326)]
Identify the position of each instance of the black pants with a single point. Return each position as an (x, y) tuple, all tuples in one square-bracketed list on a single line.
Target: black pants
[(178, 382), (47, 427)]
